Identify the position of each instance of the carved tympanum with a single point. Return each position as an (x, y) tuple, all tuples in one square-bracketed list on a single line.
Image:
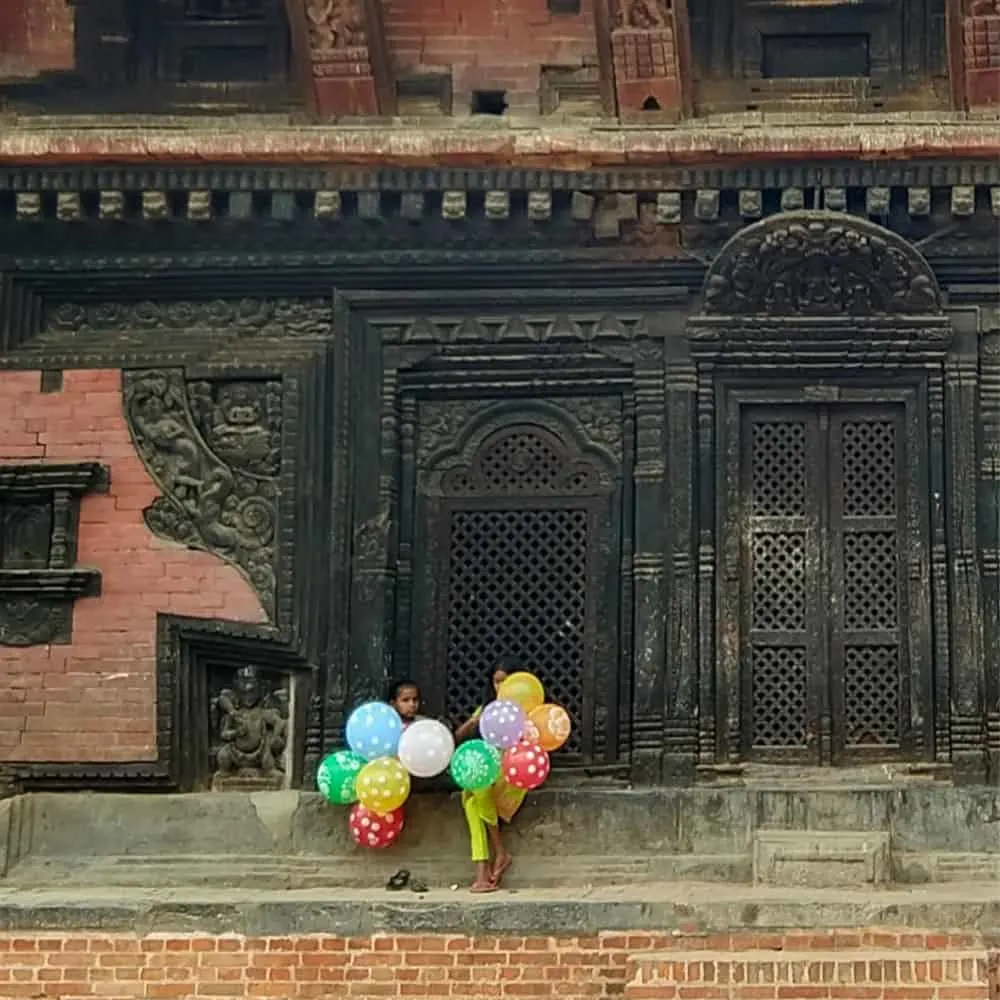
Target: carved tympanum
[(819, 264), (250, 723), (221, 503)]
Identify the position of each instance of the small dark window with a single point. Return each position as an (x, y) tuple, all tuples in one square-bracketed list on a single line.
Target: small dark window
[(651, 104), (489, 102), (793, 56)]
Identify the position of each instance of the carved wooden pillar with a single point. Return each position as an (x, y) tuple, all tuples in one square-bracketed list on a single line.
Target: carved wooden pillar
[(342, 57), (989, 534), (681, 695), (648, 564), (974, 52), (967, 657), (710, 741), (649, 50)]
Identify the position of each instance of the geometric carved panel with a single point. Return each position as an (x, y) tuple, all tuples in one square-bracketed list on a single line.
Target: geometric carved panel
[(780, 695)]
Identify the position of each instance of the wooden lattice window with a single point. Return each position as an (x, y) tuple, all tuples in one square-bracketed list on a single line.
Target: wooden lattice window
[(518, 531)]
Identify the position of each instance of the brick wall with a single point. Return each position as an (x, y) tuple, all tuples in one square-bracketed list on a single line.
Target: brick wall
[(94, 700), (129, 967), (489, 44), (35, 35)]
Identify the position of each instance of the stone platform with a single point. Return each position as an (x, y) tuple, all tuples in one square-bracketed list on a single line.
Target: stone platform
[(914, 855)]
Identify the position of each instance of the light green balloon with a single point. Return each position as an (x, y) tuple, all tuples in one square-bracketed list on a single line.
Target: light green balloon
[(336, 776), (475, 765)]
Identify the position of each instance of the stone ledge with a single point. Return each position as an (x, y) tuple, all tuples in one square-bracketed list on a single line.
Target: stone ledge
[(679, 908), (548, 148)]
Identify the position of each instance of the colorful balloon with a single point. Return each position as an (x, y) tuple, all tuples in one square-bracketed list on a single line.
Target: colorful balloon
[(502, 723), (523, 688), (426, 748), (375, 830), (531, 733), (383, 785), (526, 766), (337, 775), (374, 729), (475, 765), (553, 725)]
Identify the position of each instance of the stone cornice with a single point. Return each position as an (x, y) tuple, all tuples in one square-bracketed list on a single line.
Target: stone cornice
[(704, 143)]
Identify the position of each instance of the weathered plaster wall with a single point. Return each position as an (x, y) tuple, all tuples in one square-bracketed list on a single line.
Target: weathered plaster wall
[(35, 35), (94, 700)]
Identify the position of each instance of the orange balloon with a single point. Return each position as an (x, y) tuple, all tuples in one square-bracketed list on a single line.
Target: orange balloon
[(523, 689), (553, 725)]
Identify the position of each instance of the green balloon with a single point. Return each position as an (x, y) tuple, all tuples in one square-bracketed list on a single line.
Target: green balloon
[(475, 765), (336, 775)]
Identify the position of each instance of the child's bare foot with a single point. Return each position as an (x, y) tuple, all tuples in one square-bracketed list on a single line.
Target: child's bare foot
[(479, 886), (500, 868)]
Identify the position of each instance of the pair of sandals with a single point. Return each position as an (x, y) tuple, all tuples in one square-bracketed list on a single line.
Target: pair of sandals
[(404, 880)]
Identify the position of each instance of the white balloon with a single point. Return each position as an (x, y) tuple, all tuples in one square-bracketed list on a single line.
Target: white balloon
[(426, 748)]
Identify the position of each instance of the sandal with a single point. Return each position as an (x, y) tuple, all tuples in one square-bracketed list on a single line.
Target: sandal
[(497, 877), (398, 881), (417, 886), (482, 887)]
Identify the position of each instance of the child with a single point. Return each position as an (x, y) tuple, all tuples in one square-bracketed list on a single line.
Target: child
[(486, 808), (404, 696)]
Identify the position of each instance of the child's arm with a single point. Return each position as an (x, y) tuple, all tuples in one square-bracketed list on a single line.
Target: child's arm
[(467, 729)]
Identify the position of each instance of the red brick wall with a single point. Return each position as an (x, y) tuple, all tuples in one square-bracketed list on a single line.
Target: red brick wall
[(129, 967), (94, 700), (35, 34), (489, 44)]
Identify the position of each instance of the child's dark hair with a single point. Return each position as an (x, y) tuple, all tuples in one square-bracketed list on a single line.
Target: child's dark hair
[(509, 665), (394, 689)]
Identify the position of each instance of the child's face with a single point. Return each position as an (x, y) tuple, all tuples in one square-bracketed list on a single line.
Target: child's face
[(407, 702)]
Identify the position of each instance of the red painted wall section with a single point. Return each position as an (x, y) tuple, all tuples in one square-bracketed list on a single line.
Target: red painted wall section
[(35, 35), (488, 44), (94, 700)]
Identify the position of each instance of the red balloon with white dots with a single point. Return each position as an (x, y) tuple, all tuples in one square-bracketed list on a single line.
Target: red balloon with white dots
[(526, 766), (375, 830)]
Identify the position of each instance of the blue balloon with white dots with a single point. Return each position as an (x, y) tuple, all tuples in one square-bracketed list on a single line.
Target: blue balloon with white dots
[(374, 729)]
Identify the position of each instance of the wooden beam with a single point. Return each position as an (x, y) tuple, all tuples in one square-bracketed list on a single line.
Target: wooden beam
[(341, 57)]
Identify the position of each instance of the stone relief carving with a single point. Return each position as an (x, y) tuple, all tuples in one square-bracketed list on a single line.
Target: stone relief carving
[(240, 422), (30, 621), (131, 323), (819, 264), (645, 14), (206, 503), (250, 726), (440, 424), (601, 419)]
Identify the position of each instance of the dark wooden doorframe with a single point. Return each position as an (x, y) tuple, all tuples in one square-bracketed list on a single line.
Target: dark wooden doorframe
[(733, 701)]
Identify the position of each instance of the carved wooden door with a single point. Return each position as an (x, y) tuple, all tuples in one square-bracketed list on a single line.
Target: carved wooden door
[(824, 647), (516, 556)]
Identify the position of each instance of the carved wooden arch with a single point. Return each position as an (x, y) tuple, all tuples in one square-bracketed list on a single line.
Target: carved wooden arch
[(545, 451), (822, 264)]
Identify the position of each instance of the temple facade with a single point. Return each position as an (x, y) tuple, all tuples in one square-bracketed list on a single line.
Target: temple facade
[(656, 344)]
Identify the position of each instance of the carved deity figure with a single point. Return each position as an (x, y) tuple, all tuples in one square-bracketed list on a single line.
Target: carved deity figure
[(253, 730), (237, 429), (645, 14), (334, 24)]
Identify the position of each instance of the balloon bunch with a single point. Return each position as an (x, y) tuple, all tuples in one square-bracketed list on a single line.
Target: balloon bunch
[(373, 776), (519, 731)]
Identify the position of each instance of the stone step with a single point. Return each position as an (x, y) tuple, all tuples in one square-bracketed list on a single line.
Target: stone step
[(847, 973), (822, 859), (362, 871)]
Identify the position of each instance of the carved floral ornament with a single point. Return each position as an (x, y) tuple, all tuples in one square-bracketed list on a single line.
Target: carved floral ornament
[(335, 24), (643, 14), (819, 264)]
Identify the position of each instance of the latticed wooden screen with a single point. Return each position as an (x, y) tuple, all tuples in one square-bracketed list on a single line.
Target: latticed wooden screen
[(824, 583), (519, 562)]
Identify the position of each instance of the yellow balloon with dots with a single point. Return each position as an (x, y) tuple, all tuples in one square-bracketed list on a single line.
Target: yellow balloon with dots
[(382, 785), (523, 689)]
